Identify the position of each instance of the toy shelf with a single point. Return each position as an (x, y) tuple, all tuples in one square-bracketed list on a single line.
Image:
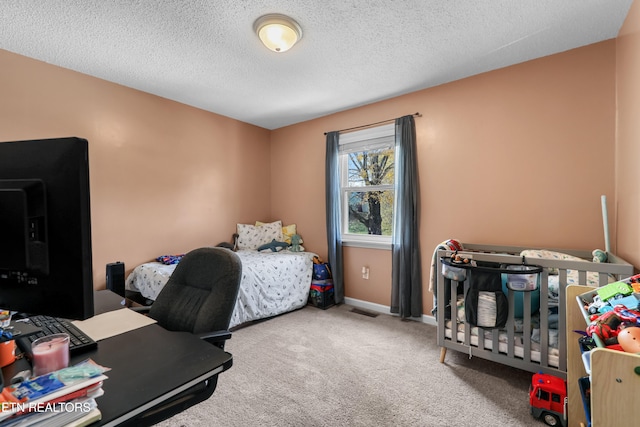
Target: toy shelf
[(615, 375)]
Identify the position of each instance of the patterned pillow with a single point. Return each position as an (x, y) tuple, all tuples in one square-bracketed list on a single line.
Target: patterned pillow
[(287, 232), (251, 236), (272, 231)]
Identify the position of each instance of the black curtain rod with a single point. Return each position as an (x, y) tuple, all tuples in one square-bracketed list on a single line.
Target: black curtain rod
[(373, 124)]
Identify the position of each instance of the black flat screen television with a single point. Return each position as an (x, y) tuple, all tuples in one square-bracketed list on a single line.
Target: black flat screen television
[(45, 228)]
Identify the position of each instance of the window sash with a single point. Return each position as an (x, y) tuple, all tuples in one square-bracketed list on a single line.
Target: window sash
[(345, 215), (370, 145), (366, 188), (380, 137), (368, 139)]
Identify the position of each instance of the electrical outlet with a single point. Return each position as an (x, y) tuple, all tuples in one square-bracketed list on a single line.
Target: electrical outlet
[(365, 272)]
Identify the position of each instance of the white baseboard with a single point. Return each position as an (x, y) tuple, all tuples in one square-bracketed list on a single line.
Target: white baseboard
[(371, 306), (429, 320), (384, 309)]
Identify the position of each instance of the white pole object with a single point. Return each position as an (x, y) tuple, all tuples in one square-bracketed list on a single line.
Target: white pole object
[(605, 223)]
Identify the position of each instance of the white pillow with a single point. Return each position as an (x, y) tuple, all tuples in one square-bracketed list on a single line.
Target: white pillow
[(592, 278), (287, 231), (272, 231), (252, 236), (546, 254)]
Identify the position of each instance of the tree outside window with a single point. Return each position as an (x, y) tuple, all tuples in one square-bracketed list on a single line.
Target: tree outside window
[(371, 204)]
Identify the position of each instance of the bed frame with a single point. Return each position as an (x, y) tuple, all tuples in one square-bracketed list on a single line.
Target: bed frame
[(507, 353)]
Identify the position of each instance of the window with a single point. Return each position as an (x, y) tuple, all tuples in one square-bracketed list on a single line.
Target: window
[(367, 171)]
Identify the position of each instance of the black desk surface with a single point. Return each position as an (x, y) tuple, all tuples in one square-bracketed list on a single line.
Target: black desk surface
[(148, 365)]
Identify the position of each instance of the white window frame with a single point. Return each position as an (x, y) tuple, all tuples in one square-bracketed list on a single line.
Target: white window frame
[(362, 140)]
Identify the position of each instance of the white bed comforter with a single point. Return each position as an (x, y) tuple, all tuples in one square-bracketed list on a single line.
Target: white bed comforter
[(272, 283)]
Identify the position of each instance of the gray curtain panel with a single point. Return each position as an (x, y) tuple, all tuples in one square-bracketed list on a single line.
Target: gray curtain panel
[(334, 239), (406, 283)]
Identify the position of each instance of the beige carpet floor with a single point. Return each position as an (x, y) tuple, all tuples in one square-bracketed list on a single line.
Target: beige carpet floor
[(336, 367)]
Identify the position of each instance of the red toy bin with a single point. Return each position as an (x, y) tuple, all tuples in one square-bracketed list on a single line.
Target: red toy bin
[(321, 293)]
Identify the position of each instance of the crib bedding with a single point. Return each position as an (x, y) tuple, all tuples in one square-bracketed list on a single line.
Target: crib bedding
[(516, 340), (518, 343), (272, 283)]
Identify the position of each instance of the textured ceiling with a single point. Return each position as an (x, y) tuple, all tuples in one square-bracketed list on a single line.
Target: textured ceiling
[(353, 52)]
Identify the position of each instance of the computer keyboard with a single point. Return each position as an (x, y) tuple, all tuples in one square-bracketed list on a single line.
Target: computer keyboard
[(78, 340)]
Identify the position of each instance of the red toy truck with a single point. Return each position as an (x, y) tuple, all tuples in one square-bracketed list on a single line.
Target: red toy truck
[(548, 399)]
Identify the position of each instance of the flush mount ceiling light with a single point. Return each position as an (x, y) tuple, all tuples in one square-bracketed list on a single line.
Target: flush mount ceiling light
[(278, 32)]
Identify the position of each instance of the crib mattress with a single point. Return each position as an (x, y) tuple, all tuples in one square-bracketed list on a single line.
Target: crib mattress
[(503, 346)]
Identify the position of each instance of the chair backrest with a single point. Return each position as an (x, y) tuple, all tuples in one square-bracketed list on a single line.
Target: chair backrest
[(201, 293)]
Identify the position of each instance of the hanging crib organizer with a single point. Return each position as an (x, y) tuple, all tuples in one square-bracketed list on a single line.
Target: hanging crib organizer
[(486, 304)]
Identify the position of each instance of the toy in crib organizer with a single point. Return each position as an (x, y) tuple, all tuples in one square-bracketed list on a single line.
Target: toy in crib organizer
[(458, 274), (455, 257), (599, 255)]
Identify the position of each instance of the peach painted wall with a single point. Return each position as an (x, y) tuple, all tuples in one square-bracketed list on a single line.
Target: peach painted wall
[(628, 137), (517, 156), (165, 177)]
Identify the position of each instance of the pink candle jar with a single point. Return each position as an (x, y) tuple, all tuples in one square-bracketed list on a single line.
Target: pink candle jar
[(50, 353)]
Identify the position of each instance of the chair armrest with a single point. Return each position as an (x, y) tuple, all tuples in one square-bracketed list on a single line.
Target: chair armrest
[(215, 337)]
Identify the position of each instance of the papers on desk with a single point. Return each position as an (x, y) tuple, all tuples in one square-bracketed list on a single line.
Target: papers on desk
[(113, 323), (61, 398), (87, 412)]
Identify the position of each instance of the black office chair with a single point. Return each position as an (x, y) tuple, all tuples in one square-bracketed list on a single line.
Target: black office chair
[(199, 297)]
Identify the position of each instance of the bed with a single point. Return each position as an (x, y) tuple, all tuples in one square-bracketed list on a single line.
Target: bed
[(272, 283), (533, 338)]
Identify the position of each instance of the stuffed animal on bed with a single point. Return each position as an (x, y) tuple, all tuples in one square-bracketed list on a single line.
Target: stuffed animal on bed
[(274, 245), (296, 241)]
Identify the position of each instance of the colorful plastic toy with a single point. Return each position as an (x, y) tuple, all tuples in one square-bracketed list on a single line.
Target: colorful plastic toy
[(548, 399), (630, 317), (629, 339), (614, 290), (605, 326), (596, 305)]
